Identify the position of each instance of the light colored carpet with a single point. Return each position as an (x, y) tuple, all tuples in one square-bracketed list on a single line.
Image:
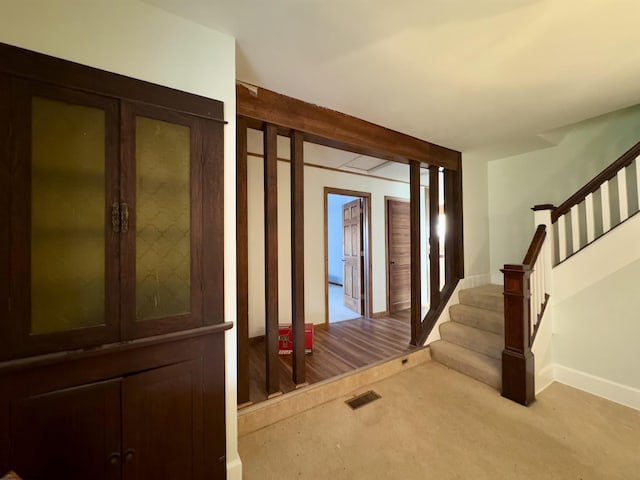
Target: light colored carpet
[(435, 423)]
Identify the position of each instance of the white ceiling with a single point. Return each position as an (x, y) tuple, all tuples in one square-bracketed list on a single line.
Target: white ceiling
[(466, 74)]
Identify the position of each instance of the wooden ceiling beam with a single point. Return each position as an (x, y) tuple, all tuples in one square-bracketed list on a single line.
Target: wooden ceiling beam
[(337, 130)]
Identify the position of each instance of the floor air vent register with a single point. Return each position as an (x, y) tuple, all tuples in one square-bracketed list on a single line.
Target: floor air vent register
[(362, 399)]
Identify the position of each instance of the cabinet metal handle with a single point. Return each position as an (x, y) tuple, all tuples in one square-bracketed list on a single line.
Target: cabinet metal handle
[(129, 454), (115, 217), (114, 458), (124, 217)]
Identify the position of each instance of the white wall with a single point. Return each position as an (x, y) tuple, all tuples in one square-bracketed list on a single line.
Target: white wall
[(315, 179), (549, 175), (596, 319), (135, 39)]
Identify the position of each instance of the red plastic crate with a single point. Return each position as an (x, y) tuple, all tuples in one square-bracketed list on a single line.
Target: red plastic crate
[(285, 338)]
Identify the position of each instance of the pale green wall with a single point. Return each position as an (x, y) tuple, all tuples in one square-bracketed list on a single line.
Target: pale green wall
[(596, 331), (550, 175)]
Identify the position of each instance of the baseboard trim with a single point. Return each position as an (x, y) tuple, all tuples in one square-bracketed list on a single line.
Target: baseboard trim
[(544, 378), (601, 387), (234, 469)]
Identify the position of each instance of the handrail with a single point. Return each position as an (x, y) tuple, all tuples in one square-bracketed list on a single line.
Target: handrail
[(607, 174), (535, 246)]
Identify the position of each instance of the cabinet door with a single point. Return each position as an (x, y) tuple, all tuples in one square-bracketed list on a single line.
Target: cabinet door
[(71, 434), (64, 253), (163, 435), (162, 248)]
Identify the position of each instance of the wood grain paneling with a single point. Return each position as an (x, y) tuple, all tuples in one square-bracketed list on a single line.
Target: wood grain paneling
[(434, 242), (297, 257), (416, 270), (271, 257), (242, 262), (337, 130)]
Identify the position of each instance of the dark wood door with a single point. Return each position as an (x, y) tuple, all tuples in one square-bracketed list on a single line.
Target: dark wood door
[(64, 252), (161, 246), (352, 255), (398, 255), (71, 434), (163, 423)]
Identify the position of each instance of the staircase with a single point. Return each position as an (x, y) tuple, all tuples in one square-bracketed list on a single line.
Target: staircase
[(472, 342)]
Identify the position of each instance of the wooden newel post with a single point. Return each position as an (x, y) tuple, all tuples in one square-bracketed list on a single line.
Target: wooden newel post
[(518, 381)]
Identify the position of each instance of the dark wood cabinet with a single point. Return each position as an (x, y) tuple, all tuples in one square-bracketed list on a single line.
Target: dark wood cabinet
[(111, 288), (75, 431), (144, 411)]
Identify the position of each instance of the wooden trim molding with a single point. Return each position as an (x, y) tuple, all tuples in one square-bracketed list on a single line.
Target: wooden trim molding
[(271, 259), (297, 258), (242, 262), (56, 71), (334, 129), (416, 270)]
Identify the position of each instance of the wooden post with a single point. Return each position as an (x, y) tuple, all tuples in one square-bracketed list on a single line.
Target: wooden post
[(242, 263), (271, 259), (414, 226), (517, 359), (434, 242), (297, 257)]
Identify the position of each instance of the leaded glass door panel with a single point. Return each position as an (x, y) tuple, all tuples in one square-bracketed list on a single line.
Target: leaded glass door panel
[(161, 249)]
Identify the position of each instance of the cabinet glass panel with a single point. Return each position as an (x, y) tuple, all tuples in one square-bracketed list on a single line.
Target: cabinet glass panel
[(67, 216), (163, 236)]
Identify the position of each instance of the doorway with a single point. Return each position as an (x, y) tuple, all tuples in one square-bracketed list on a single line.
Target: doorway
[(347, 255), (398, 248)]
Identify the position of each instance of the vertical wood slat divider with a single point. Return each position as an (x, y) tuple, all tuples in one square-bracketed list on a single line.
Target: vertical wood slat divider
[(242, 262), (623, 199), (606, 208), (271, 258), (434, 242), (416, 270), (450, 208), (297, 258), (591, 223)]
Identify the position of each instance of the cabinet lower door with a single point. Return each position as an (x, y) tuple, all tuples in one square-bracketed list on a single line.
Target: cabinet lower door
[(71, 434), (163, 434)]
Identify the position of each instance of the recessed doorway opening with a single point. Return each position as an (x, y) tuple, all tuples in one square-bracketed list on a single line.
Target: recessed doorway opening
[(347, 255)]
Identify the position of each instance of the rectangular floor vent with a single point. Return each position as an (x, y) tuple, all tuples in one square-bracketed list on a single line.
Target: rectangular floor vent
[(362, 399)]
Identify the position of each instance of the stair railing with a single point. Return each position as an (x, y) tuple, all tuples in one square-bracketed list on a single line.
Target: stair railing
[(525, 300), (602, 204), (605, 202)]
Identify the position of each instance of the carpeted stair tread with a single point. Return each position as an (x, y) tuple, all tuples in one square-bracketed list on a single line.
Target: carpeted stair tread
[(474, 364), (488, 297), (477, 317), (481, 341)]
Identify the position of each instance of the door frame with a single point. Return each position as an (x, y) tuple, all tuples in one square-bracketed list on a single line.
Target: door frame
[(388, 198), (366, 247)]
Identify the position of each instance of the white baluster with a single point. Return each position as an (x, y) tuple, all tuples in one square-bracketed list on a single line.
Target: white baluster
[(606, 209), (562, 238), (622, 194), (575, 229), (591, 224)]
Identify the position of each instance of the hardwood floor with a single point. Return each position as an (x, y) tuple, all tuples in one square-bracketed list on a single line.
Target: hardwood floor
[(343, 347)]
